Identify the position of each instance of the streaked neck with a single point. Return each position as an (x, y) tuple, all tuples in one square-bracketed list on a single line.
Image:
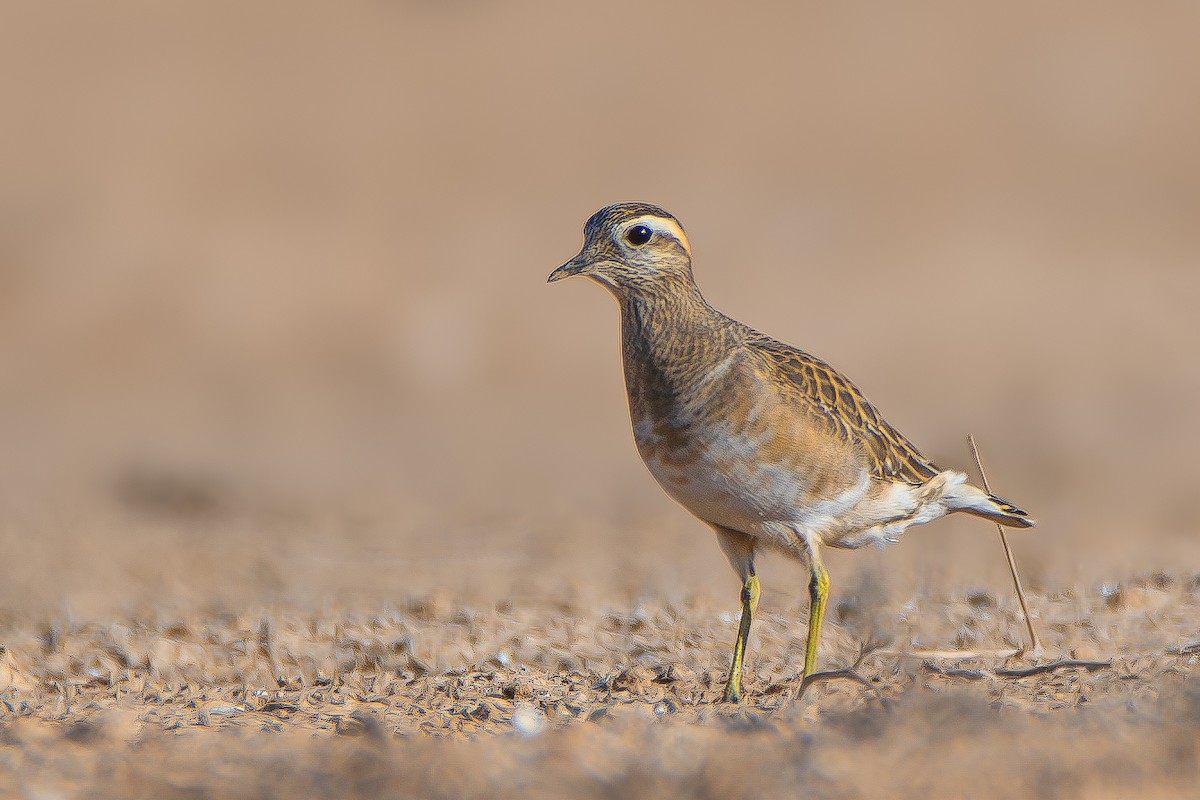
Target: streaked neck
[(671, 332)]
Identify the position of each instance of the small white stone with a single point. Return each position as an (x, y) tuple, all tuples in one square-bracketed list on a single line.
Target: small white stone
[(528, 721)]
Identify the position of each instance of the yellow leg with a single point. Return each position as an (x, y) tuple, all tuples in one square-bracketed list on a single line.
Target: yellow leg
[(750, 593), (818, 592)]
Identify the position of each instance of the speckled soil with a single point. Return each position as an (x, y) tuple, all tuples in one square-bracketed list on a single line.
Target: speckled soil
[(439, 700), (310, 486)]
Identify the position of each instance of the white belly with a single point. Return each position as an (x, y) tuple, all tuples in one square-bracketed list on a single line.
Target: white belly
[(738, 490)]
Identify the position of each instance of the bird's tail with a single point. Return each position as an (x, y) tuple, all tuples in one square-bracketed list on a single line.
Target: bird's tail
[(974, 500)]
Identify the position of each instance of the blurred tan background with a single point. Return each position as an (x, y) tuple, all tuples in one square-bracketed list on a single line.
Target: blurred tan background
[(273, 326)]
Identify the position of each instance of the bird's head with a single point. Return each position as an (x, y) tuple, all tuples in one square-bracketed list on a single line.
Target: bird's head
[(631, 248)]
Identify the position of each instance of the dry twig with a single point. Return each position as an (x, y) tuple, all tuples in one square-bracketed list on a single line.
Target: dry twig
[(1034, 642), (1052, 666)]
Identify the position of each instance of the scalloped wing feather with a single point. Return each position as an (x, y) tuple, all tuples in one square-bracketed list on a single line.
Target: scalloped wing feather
[(841, 408)]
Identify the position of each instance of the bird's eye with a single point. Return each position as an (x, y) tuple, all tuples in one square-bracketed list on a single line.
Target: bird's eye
[(638, 235)]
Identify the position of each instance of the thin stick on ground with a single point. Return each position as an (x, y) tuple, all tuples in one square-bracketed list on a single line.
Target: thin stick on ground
[(1040, 669), (1035, 644)]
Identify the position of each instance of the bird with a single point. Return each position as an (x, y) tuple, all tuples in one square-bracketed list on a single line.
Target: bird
[(770, 446)]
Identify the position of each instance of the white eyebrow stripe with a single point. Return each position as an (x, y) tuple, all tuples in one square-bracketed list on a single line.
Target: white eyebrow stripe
[(665, 226)]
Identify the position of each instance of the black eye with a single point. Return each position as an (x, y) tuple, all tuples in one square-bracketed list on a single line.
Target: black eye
[(638, 235)]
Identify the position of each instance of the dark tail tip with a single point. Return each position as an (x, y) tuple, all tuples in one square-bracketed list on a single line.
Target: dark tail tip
[(1013, 517)]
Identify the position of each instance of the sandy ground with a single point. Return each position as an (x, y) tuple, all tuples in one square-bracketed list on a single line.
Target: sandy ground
[(445, 701), (309, 485)]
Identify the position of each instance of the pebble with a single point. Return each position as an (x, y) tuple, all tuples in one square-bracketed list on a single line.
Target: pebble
[(528, 721)]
